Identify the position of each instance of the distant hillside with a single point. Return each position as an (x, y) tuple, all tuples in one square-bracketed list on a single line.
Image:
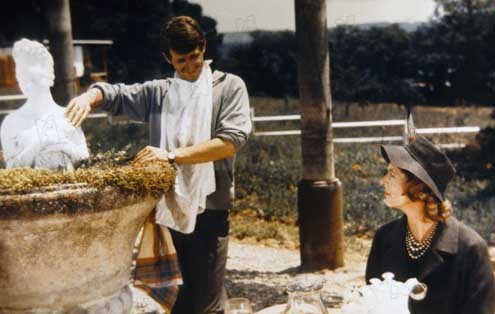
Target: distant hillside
[(233, 39), (410, 27)]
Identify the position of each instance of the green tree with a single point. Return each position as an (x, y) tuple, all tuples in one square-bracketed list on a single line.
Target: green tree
[(372, 65), (267, 64), (467, 26)]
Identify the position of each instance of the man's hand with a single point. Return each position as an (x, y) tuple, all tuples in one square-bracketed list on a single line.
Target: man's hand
[(150, 153), (79, 107)]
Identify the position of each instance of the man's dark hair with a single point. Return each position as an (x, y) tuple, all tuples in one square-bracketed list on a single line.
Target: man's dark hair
[(182, 34)]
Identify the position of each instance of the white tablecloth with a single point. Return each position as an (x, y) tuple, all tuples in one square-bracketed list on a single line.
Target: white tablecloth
[(277, 309)]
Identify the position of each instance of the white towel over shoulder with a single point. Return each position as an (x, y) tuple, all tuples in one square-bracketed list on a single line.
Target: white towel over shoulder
[(186, 120)]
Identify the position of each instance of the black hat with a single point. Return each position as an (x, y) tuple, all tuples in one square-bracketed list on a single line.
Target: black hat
[(423, 159)]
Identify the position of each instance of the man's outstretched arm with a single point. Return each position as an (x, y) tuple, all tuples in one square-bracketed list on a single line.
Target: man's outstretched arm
[(133, 101), (214, 149)]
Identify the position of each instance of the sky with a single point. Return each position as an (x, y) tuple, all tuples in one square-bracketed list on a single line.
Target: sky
[(248, 15)]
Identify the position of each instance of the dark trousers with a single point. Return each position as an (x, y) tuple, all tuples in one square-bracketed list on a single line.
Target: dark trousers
[(203, 258)]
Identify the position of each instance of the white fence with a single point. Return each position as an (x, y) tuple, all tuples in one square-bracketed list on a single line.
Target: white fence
[(359, 124), (335, 125)]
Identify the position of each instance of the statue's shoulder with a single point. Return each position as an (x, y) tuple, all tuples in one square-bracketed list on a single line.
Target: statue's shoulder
[(11, 118), (10, 125)]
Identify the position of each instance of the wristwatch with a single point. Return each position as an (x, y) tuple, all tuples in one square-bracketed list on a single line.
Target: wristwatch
[(171, 158)]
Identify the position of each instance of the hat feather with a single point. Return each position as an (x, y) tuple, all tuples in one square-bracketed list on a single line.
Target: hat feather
[(410, 128)]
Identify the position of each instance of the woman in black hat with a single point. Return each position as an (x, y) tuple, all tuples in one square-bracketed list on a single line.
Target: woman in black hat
[(428, 243)]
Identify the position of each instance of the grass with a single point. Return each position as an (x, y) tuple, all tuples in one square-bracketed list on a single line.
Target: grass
[(268, 169), (251, 227)]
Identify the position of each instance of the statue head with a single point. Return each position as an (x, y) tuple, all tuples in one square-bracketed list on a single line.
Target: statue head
[(33, 67)]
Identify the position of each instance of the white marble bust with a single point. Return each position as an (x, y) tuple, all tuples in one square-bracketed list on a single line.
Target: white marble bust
[(37, 134)]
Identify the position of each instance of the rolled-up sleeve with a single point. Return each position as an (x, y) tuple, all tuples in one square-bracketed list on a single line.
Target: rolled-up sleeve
[(234, 122), (134, 100)]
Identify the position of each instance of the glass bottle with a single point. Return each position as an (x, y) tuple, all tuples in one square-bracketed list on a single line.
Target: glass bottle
[(305, 297)]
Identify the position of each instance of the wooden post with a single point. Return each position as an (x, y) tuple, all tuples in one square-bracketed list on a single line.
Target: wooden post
[(57, 13), (320, 201)]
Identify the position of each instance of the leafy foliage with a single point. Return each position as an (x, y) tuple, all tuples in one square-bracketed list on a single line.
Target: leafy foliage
[(267, 65)]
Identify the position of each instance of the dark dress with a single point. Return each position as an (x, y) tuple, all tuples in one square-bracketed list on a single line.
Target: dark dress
[(456, 268)]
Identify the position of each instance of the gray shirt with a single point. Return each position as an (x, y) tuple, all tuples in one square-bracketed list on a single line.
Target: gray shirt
[(230, 120)]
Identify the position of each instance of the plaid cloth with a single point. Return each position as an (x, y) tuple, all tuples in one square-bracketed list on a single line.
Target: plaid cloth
[(157, 267)]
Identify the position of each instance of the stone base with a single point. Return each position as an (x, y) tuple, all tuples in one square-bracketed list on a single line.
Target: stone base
[(144, 304), (118, 304)]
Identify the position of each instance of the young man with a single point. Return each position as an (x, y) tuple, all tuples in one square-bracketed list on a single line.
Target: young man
[(203, 253)]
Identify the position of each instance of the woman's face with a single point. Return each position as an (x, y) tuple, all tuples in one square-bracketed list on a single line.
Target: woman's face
[(394, 185)]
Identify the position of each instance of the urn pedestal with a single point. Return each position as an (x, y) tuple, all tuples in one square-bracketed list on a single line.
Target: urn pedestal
[(68, 249)]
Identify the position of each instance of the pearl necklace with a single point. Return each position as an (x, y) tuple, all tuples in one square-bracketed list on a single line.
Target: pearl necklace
[(416, 249)]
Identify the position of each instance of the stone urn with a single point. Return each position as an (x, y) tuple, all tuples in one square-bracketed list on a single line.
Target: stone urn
[(68, 249)]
